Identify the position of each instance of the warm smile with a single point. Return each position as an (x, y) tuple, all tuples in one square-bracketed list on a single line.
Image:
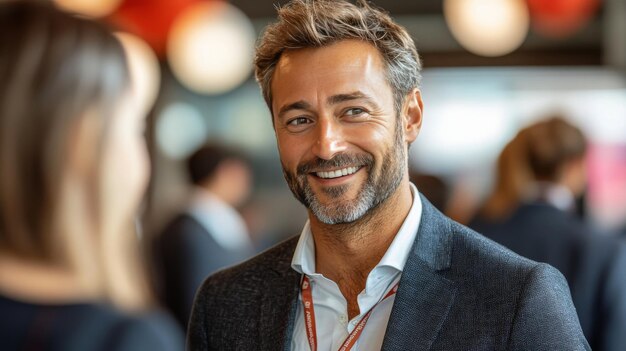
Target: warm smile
[(337, 173)]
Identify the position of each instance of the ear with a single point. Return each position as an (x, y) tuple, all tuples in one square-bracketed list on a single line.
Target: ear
[(412, 115)]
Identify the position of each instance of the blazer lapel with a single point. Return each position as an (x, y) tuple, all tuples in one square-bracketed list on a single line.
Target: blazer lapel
[(424, 296), (279, 305)]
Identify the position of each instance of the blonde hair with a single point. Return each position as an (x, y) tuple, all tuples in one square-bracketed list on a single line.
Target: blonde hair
[(317, 23), (59, 74)]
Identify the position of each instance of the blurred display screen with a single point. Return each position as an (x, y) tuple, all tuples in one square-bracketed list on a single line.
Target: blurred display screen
[(607, 184)]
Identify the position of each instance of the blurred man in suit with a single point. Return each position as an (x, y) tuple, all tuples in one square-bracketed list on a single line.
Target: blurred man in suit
[(532, 211), (376, 265), (210, 233)]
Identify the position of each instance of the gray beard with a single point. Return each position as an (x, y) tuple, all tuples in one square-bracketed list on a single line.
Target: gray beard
[(341, 212), (375, 190)]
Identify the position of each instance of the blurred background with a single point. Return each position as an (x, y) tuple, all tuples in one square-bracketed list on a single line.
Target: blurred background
[(491, 67)]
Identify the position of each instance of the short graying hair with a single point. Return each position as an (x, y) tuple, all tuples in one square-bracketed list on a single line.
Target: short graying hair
[(318, 23)]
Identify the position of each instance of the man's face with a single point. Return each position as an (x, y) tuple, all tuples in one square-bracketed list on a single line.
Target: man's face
[(342, 149)]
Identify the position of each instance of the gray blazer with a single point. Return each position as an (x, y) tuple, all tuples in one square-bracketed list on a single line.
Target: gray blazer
[(458, 291)]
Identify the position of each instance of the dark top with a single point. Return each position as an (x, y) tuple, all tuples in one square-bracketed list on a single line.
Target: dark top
[(594, 265), (185, 255), (458, 291), (84, 327)]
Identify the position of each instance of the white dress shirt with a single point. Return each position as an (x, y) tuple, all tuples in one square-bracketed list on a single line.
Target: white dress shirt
[(221, 220), (331, 308)]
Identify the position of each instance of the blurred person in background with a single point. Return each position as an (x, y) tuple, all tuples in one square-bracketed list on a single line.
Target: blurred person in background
[(532, 212), (74, 168), (433, 188), (210, 233)]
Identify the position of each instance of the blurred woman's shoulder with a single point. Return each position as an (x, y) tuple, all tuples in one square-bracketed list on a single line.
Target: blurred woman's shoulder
[(84, 326)]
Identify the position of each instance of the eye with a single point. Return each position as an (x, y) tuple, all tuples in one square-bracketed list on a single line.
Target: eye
[(298, 124), (354, 112), (298, 121)]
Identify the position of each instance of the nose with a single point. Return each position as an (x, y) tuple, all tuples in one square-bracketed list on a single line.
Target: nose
[(330, 140)]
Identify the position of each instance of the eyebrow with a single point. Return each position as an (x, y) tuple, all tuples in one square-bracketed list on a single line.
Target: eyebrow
[(298, 105)]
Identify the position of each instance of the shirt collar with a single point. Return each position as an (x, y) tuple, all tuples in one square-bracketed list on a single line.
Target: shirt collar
[(396, 256), (303, 260), (554, 194), (201, 197), (222, 222)]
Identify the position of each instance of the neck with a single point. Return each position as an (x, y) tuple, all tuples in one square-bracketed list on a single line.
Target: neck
[(346, 253), (220, 192)]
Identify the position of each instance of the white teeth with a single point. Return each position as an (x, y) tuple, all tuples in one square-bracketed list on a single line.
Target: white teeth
[(337, 173)]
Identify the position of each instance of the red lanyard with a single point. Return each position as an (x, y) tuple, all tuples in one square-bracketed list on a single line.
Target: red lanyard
[(309, 317)]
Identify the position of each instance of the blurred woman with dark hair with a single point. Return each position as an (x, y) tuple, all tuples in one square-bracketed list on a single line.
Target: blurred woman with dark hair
[(74, 168), (532, 212)]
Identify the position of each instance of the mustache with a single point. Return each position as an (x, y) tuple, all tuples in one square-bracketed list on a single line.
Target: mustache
[(339, 161)]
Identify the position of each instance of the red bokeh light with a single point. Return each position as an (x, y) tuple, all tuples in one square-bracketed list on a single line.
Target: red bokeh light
[(561, 18), (149, 19)]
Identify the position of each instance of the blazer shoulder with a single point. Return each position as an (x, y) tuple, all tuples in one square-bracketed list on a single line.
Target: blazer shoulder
[(181, 223), (472, 246), (544, 304), (529, 306), (483, 267), (275, 261)]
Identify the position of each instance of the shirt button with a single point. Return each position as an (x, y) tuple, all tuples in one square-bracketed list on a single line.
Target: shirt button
[(343, 319)]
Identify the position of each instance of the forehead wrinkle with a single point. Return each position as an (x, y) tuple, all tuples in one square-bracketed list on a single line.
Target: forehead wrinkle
[(357, 95)]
